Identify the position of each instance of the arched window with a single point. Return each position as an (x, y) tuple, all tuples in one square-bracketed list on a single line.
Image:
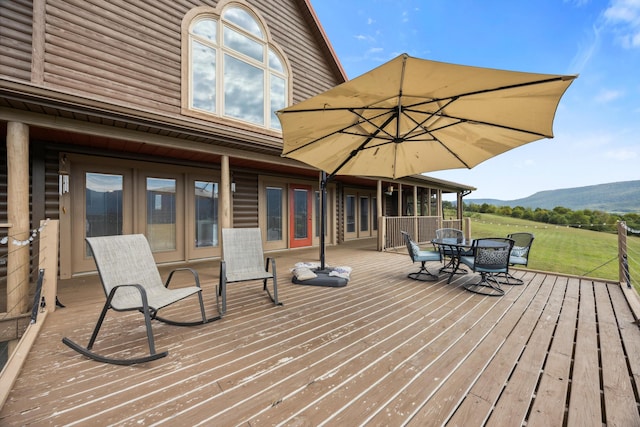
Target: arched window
[(235, 72)]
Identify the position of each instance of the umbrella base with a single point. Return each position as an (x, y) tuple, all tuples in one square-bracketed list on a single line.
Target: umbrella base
[(323, 279)]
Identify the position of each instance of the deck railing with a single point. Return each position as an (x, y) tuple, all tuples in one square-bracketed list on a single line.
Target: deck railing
[(18, 330), (421, 228)]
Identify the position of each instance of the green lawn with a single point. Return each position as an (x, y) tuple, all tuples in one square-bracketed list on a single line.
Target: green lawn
[(563, 249)]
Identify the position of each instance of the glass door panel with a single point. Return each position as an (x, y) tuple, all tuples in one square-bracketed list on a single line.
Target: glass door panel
[(206, 214), (275, 196), (103, 204), (364, 216), (161, 213), (100, 205)]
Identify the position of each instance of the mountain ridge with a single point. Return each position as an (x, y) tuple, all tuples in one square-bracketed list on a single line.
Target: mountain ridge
[(614, 197)]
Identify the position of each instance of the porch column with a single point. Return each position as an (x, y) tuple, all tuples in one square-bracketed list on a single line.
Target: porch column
[(416, 231), (225, 194), (381, 222), (18, 217)]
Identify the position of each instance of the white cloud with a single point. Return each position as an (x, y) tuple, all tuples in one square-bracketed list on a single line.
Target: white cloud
[(623, 17), (586, 52), (622, 154), (608, 95)]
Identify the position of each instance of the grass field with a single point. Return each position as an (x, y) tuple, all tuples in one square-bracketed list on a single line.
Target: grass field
[(563, 249)]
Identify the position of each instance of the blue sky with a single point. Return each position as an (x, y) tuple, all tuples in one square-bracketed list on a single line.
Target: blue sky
[(597, 125)]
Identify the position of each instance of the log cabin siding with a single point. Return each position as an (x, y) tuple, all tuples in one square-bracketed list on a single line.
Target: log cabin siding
[(51, 190), (129, 52), (245, 200), (114, 50), (291, 32), (15, 38)]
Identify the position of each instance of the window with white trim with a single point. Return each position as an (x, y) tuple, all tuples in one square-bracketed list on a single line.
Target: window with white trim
[(235, 72)]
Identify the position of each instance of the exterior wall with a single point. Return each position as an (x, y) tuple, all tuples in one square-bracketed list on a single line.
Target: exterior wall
[(15, 38), (245, 200), (130, 52)]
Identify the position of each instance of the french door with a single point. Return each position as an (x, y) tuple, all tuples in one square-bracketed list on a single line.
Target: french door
[(176, 209), (300, 214)]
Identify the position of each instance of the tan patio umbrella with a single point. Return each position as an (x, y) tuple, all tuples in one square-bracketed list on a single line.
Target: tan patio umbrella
[(410, 116)]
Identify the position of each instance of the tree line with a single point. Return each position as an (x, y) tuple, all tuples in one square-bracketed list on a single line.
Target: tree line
[(586, 218)]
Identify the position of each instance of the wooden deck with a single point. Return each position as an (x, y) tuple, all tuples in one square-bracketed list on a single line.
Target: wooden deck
[(385, 350)]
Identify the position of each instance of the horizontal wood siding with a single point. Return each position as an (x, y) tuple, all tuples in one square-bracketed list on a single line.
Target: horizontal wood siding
[(51, 191), (245, 200), (311, 74), (126, 51), (130, 51), (15, 38)]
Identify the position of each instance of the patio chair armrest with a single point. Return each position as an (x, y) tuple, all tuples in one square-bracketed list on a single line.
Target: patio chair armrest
[(140, 288), (271, 261), (196, 277)]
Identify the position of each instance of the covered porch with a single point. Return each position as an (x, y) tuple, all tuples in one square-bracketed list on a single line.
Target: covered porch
[(384, 350)]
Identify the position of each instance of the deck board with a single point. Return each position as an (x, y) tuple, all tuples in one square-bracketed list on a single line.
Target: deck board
[(514, 402), (385, 350), (549, 407), (585, 402), (619, 401)]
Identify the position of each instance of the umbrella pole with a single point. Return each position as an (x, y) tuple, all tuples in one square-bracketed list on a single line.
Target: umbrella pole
[(323, 215)]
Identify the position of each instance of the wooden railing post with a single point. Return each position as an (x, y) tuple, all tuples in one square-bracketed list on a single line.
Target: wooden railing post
[(48, 260), (623, 266), (467, 228)]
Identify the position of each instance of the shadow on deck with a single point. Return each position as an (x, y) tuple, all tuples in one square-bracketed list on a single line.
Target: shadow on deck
[(385, 350)]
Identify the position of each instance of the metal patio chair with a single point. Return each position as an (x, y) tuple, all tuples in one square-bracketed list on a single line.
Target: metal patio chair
[(490, 257), (519, 256), (131, 281), (419, 255), (455, 235), (243, 260)]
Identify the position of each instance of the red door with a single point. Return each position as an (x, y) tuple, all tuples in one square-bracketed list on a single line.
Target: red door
[(300, 214)]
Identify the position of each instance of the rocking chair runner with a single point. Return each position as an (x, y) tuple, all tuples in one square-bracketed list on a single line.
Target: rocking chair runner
[(131, 281), (243, 260)]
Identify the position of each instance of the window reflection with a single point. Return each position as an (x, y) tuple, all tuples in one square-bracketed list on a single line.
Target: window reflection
[(274, 62), (350, 213), (103, 204), (244, 20), (253, 77), (374, 208), (301, 214), (364, 214), (206, 209), (207, 28), (274, 213), (277, 100), (161, 213), (203, 78), (243, 44), (243, 91)]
